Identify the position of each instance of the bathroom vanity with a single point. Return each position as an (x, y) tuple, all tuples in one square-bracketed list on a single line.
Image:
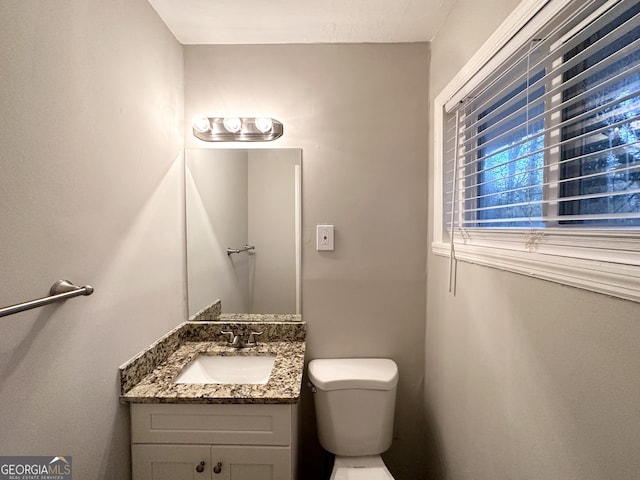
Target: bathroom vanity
[(230, 431), (230, 442)]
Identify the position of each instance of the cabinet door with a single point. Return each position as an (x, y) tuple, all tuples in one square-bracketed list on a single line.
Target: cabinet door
[(251, 463), (171, 462)]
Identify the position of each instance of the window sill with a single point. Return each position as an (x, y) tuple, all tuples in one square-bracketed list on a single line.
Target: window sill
[(619, 278)]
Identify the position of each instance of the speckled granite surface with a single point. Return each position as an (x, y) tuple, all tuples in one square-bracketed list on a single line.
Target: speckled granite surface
[(149, 376)]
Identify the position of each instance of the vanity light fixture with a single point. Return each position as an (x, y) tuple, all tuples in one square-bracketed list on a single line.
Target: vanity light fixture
[(236, 129)]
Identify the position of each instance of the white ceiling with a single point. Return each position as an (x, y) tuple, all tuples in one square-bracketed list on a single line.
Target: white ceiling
[(195, 22)]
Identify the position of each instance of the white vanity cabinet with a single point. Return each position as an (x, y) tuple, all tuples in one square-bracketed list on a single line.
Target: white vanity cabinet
[(213, 442)]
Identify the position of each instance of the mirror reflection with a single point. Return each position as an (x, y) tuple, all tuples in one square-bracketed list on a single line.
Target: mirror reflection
[(243, 229)]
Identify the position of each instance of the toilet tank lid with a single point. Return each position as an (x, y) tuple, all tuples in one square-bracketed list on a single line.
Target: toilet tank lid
[(347, 373)]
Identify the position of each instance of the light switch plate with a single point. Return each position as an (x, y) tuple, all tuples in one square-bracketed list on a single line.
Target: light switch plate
[(324, 237)]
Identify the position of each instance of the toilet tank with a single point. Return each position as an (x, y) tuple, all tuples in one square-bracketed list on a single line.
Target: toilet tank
[(355, 402)]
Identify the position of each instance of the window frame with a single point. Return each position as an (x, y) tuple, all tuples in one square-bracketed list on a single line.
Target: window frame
[(597, 259)]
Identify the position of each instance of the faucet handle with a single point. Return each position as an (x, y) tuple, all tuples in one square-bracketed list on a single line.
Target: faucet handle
[(231, 335), (252, 335)]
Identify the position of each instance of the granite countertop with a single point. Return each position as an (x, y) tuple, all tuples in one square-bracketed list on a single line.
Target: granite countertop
[(149, 376)]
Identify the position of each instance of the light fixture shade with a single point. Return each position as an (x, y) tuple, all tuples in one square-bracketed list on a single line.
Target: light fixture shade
[(201, 124), (237, 129), (232, 124), (264, 124)]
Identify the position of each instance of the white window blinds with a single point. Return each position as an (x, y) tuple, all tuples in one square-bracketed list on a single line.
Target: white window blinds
[(551, 139)]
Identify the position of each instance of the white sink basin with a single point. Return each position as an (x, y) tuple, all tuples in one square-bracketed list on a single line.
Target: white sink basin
[(228, 369)]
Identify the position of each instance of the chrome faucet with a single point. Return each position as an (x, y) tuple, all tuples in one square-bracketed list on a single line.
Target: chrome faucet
[(242, 339)]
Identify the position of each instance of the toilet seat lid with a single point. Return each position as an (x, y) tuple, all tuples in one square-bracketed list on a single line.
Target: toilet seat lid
[(356, 373)]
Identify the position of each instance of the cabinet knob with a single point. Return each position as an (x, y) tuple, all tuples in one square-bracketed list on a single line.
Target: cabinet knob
[(217, 468), (200, 467)]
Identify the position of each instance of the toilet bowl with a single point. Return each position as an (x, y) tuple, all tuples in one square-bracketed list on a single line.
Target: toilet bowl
[(355, 402)]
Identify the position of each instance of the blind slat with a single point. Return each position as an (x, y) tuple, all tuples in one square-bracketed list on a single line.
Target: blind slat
[(550, 94), (490, 97), (609, 195), (544, 150)]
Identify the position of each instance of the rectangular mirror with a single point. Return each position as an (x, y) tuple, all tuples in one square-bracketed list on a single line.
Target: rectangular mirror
[(237, 199)]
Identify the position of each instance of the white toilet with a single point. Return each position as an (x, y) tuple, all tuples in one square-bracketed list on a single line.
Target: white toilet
[(355, 401)]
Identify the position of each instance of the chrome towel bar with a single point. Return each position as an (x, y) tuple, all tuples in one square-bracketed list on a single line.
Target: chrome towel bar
[(246, 248), (61, 290)]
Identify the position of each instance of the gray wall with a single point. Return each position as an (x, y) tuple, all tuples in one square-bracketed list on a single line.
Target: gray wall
[(91, 138), (525, 379), (359, 113)]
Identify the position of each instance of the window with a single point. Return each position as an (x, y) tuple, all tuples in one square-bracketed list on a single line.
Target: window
[(509, 161), (539, 151), (600, 171)]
